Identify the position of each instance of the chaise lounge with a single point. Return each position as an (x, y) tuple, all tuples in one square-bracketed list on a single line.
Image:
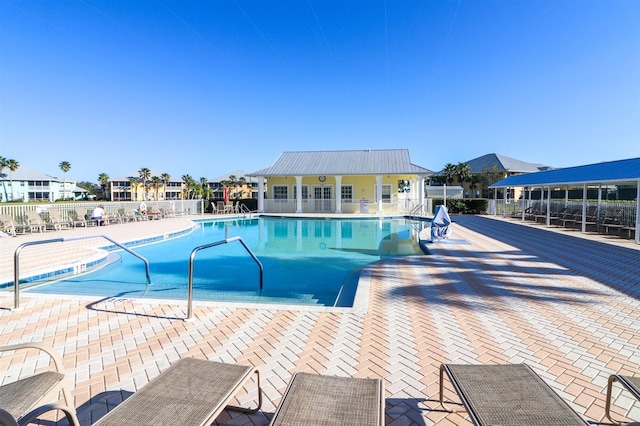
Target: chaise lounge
[(318, 400), (190, 392), (24, 400), (507, 394), (631, 384)]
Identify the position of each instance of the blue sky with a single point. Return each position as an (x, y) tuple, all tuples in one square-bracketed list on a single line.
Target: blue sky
[(208, 87)]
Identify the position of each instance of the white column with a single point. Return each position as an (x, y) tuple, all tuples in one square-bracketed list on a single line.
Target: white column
[(420, 190), (338, 194), (261, 194), (548, 219), (298, 194), (638, 212), (583, 227), (379, 192)]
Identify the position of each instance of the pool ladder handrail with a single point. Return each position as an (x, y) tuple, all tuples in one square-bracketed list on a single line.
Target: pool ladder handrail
[(217, 243), (16, 259)]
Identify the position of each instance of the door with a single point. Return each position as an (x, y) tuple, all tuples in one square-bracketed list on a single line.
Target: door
[(323, 198)]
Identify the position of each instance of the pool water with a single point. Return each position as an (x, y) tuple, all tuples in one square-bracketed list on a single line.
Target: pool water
[(306, 261)]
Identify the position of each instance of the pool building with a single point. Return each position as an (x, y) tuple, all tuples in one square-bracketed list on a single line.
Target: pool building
[(356, 181)]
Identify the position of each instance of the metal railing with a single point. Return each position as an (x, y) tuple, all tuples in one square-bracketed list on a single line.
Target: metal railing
[(16, 257), (217, 243)]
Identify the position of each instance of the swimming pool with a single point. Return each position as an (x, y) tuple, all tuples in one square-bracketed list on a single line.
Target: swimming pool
[(306, 261)]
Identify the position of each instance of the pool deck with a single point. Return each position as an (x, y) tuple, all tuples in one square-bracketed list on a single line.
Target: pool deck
[(498, 291)]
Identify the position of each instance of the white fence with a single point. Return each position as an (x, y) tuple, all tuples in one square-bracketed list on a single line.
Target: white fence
[(186, 207)]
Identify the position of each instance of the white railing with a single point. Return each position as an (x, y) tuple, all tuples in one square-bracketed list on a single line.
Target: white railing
[(186, 207)]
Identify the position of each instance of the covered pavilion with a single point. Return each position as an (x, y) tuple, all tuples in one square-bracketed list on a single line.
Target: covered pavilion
[(589, 193)]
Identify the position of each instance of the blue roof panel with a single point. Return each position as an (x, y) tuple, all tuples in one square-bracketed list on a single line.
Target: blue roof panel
[(611, 171)]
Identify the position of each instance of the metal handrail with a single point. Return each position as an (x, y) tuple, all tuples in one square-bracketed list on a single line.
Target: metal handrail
[(16, 258), (419, 207), (217, 243)]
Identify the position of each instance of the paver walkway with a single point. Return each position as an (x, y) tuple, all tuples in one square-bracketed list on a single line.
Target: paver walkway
[(496, 292)]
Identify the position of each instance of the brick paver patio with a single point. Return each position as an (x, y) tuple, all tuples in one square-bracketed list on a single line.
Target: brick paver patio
[(497, 292)]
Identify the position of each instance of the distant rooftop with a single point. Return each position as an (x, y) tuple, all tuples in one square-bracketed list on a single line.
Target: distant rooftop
[(503, 163)]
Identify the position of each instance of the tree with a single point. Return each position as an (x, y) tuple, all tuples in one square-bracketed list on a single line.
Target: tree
[(166, 178), (156, 184), (3, 164), (145, 174), (242, 181), (488, 177), (103, 178), (13, 165), (65, 166), (464, 173), (189, 184), (450, 171), (205, 189), (133, 185)]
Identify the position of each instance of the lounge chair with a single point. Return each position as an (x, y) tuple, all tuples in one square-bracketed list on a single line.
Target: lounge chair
[(507, 394), (35, 221), (612, 220), (7, 224), (191, 392), (24, 400), (77, 218), (312, 399), (53, 219), (630, 383)]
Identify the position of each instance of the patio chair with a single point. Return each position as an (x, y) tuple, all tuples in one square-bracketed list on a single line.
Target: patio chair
[(53, 219), (7, 224), (77, 218), (24, 400), (630, 383), (191, 392), (507, 394), (313, 399), (35, 221)]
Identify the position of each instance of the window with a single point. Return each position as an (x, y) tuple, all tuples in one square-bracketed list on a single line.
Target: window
[(386, 193), (305, 192), (347, 193), (280, 192), (404, 185)]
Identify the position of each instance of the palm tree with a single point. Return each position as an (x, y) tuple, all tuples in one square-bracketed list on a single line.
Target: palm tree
[(188, 185), (65, 166), (166, 178), (156, 184), (449, 172), (242, 181), (206, 190), (133, 184), (13, 165), (145, 174), (3, 164), (103, 178), (464, 173)]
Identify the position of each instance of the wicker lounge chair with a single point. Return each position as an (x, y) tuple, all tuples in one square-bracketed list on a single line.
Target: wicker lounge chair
[(24, 400), (630, 383), (312, 399), (191, 392), (511, 394)]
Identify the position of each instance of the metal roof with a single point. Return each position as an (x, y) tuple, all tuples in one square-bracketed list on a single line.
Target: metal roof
[(606, 172), (24, 173), (504, 163), (364, 162)]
